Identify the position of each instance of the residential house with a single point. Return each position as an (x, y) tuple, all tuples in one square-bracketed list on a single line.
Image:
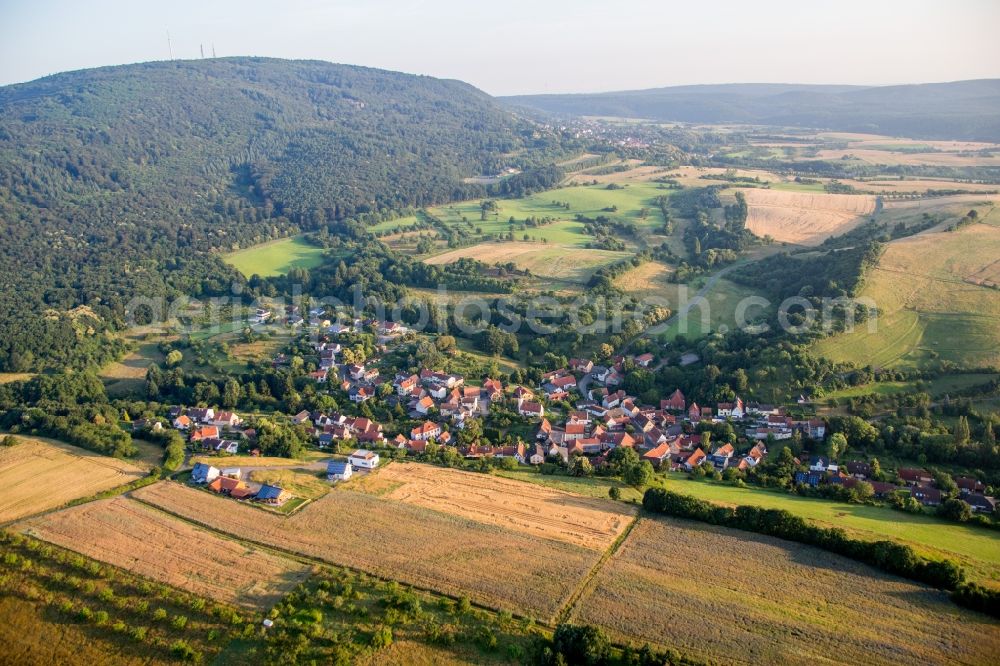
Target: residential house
[(694, 412), (227, 485), (644, 360), (364, 458), (926, 494), (732, 410), (338, 470), (226, 420), (968, 484), (182, 422), (406, 385), (201, 414), (859, 469), (657, 455), (272, 494), (301, 417), (981, 503), (695, 459), (531, 409), (203, 473), (675, 403), (204, 432), (426, 430), (581, 365), (424, 405), (600, 373), (359, 394), (915, 476)]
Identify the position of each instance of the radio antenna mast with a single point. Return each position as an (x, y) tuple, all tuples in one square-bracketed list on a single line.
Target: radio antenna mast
[(202, 47), (213, 50), (170, 49)]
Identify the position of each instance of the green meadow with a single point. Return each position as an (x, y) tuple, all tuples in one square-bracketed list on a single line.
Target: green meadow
[(587, 200), (276, 257)]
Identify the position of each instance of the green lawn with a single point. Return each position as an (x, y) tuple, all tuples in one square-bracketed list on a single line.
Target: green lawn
[(276, 257), (976, 548)]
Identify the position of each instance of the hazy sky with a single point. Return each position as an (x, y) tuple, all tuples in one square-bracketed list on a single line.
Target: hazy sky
[(526, 46)]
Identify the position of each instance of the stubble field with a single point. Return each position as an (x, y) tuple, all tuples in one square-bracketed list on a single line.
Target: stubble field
[(535, 510), (802, 217), (760, 600), (497, 567), (133, 536), (37, 476)]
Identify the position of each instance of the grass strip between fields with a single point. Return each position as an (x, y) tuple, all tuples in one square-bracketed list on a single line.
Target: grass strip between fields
[(566, 611)]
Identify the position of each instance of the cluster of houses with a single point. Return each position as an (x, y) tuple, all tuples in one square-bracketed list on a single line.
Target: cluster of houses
[(607, 419), (218, 431), (917, 482), (229, 482), (328, 429)]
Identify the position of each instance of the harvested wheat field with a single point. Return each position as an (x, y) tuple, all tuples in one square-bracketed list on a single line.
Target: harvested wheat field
[(533, 509), (133, 536), (496, 567), (762, 600), (40, 475), (805, 218)]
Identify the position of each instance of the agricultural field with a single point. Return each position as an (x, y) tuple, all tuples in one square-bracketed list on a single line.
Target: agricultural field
[(276, 257), (768, 601), (930, 305), (534, 510), (393, 539), (566, 264), (40, 475), (805, 218), (133, 536)]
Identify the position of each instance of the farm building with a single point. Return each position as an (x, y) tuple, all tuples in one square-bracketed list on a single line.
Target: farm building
[(337, 470), (364, 459), (203, 473)]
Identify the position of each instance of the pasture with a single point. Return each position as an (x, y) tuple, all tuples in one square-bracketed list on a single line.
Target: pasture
[(930, 306), (133, 536), (535, 510), (764, 601), (40, 475), (275, 257), (497, 567), (804, 218)]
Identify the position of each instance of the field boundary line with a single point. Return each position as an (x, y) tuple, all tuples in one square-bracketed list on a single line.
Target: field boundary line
[(583, 586)]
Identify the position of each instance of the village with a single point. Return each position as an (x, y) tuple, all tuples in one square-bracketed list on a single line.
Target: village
[(580, 411)]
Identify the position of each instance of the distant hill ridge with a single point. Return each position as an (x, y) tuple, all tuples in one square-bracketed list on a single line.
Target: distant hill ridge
[(961, 110)]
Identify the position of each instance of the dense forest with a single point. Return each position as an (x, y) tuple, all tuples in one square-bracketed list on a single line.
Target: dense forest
[(956, 110), (123, 181)]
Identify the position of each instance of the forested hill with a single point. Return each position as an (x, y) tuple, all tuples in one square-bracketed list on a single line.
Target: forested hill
[(967, 110), (122, 180)]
